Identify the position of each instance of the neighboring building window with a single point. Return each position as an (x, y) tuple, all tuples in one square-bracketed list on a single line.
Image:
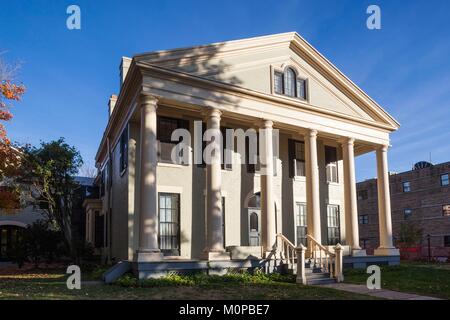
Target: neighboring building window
[(362, 194), (296, 158), (169, 223), (446, 210), (164, 129), (364, 219), (333, 224), (289, 84), (406, 186), (331, 164), (446, 241), (407, 213), (123, 150), (300, 224), (445, 179)]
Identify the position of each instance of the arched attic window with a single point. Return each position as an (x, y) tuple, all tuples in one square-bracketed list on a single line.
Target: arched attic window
[(289, 84)]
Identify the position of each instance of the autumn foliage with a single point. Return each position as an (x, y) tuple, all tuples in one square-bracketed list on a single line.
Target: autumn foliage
[(9, 156)]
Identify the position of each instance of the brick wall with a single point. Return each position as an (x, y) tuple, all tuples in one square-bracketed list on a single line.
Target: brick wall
[(425, 200)]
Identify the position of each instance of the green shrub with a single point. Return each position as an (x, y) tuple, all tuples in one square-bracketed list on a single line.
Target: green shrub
[(200, 279)]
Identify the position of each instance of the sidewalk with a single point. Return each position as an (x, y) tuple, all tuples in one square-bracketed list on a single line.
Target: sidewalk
[(381, 293)]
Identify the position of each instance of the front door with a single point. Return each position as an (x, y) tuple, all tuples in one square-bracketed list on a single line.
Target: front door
[(254, 226)]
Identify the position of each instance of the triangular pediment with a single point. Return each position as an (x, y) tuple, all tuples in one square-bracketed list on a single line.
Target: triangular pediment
[(250, 63)]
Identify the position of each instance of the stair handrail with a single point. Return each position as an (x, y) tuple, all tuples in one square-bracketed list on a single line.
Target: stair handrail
[(286, 249), (325, 259)]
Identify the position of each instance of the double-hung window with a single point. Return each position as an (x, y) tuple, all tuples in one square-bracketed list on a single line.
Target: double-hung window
[(296, 158), (165, 128), (333, 224), (331, 164), (169, 223)]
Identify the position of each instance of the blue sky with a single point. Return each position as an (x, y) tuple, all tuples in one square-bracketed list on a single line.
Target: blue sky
[(70, 74)]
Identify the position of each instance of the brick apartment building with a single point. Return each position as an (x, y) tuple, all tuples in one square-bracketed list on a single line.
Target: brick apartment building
[(421, 197)]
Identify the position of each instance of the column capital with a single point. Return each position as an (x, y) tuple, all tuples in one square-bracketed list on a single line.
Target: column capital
[(146, 99), (265, 123), (212, 112), (347, 140), (312, 133), (382, 147)]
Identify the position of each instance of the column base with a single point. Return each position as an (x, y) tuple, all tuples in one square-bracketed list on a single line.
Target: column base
[(148, 256), (216, 255), (358, 252), (386, 252)]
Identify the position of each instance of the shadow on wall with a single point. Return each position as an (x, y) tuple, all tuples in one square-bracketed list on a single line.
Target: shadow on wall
[(202, 62)]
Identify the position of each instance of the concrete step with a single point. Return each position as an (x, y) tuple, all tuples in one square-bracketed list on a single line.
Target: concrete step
[(320, 281), (317, 275)]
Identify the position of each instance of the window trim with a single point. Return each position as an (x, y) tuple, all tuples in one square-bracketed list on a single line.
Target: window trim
[(282, 71), (332, 164), (448, 179), (178, 209), (338, 220), (180, 123), (444, 210), (298, 204), (409, 186), (405, 217)]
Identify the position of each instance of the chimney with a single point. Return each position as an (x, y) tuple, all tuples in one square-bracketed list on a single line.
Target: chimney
[(124, 66), (112, 103)]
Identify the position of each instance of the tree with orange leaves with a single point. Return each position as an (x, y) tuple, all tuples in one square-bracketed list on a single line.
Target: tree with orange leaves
[(9, 92)]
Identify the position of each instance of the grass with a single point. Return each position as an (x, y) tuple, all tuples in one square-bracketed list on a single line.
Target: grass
[(419, 278), (195, 287)]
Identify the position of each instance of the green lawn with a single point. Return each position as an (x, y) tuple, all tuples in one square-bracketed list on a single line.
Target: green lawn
[(420, 278), (52, 286)]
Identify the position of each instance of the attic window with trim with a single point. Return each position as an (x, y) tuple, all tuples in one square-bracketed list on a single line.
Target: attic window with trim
[(289, 84)]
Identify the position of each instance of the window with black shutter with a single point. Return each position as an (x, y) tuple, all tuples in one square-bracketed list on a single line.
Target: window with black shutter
[(165, 127), (296, 158), (331, 164), (251, 167), (123, 157)]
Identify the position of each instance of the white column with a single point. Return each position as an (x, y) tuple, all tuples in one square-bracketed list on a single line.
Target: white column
[(148, 227), (214, 249), (268, 235), (351, 207), (312, 186), (384, 205)]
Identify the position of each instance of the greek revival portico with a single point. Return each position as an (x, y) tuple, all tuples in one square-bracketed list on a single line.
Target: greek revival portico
[(214, 249), (273, 84)]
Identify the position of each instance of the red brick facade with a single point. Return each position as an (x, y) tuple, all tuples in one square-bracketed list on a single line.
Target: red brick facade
[(423, 195)]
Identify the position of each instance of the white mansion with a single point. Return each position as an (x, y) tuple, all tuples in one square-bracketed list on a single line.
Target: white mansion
[(159, 211)]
